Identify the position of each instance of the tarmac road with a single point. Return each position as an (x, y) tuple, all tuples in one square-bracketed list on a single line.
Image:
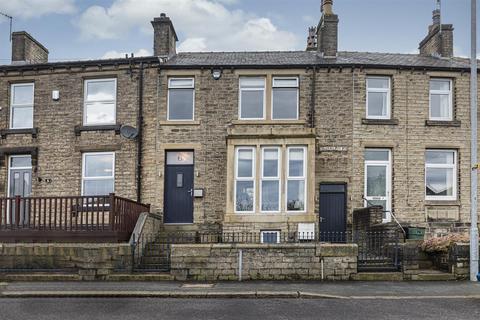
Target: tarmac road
[(231, 309)]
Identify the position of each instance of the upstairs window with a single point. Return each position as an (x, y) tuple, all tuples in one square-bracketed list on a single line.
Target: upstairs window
[(181, 99), (98, 173), (21, 106), (441, 175), (441, 99), (285, 99), (100, 102), (252, 98), (378, 98)]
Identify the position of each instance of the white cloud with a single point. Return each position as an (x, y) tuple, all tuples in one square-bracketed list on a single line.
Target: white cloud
[(112, 54), (193, 44), (36, 8), (202, 25)]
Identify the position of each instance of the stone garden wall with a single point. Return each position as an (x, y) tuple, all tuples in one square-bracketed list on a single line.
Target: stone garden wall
[(91, 261), (296, 261)]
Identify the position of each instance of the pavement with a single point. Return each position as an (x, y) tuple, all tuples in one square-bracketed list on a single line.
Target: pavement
[(245, 290)]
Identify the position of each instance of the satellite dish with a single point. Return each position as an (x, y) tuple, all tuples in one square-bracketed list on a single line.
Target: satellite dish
[(128, 132)]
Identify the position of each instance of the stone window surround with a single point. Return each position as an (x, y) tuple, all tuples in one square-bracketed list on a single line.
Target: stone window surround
[(163, 99), (378, 90), (269, 75), (282, 216), (85, 178), (437, 200), (451, 93), (84, 95), (186, 121), (11, 106)]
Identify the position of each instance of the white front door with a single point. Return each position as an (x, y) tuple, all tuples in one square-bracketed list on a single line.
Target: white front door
[(378, 180)]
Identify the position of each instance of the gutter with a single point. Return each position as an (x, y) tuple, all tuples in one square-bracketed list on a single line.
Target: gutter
[(140, 134)]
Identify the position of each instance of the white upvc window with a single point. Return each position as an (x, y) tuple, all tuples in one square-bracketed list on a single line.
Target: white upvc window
[(100, 100), (296, 179), (378, 97), (285, 98), (181, 99), (378, 177), (440, 174), (270, 180), (270, 236), (252, 98), (245, 179), (98, 173), (441, 99), (21, 105)]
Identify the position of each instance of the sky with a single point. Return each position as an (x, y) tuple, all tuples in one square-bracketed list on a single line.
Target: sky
[(92, 29)]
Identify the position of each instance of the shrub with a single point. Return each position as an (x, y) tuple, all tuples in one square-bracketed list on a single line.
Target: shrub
[(442, 244)]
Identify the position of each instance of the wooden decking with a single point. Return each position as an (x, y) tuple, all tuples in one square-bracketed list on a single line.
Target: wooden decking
[(68, 219)]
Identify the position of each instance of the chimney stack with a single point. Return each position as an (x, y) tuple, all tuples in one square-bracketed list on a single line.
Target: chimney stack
[(327, 31), (164, 36), (439, 40), (27, 50)]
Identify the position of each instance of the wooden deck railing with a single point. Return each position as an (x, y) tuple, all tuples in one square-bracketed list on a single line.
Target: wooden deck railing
[(68, 218)]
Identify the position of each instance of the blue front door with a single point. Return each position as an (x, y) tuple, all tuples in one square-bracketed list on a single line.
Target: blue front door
[(179, 188)]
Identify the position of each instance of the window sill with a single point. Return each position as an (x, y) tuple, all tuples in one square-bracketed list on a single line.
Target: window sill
[(393, 122), (114, 127), (5, 132), (267, 122), (180, 123), (438, 123), (442, 203)]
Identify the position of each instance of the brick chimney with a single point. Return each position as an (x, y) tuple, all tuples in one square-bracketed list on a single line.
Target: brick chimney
[(439, 40), (164, 36), (327, 31), (27, 50)]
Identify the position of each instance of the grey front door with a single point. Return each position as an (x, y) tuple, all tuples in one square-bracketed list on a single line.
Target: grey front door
[(179, 187), (333, 211), (20, 184)]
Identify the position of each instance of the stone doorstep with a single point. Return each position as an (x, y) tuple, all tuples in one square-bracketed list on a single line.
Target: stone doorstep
[(377, 276)]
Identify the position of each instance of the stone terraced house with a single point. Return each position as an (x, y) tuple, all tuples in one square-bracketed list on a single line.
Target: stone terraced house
[(246, 141)]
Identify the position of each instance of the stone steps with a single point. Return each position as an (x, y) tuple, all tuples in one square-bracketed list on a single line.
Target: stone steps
[(431, 275), (151, 276)]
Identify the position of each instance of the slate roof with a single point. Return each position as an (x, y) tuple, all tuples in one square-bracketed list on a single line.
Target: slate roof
[(273, 59), (308, 58)]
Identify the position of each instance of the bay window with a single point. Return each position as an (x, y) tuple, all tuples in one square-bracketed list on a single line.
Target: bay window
[(270, 182), (245, 180), (295, 200), (441, 175)]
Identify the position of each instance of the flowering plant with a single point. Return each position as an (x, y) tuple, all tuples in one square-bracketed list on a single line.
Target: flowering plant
[(442, 244)]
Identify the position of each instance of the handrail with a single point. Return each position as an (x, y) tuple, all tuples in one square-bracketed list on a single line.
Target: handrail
[(369, 204)]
